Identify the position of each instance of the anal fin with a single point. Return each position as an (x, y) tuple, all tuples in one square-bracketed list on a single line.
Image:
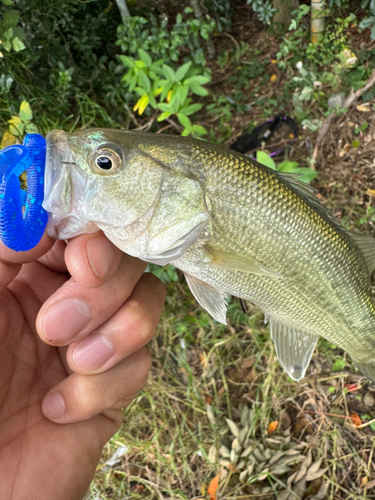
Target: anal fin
[(209, 298), (293, 348)]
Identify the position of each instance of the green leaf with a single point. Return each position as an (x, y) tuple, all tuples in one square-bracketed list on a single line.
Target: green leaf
[(165, 107), (198, 80), (16, 127), (10, 19), (127, 61), (144, 81), (8, 34), (287, 166), (140, 90), (185, 132), (193, 108), (25, 113), (145, 57), (181, 72), (198, 90), (180, 94), (372, 426), (266, 160), (169, 73), (199, 129), (31, 128), (166, 88), (305, 174), (7, 2), (184, 120), (17, 44), (163, 116), (338, 365)]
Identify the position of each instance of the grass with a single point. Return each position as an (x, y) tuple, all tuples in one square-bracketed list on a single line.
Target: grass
[(204, 373)]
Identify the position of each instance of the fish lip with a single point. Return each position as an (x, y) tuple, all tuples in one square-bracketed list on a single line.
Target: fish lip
[(62, 195)]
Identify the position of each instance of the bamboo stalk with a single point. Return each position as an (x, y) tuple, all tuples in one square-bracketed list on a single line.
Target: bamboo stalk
[(123, 8), (317, 23)]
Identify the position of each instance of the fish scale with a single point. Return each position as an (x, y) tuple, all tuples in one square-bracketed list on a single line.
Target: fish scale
[(232, 226)]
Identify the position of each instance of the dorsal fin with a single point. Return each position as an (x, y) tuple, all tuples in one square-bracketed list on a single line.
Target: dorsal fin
[(367, 246), (307, 192)]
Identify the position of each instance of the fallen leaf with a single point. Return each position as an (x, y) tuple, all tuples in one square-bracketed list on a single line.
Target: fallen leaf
[(273, 78), (272, 426), (365, 108), (248, 362), (371, 484), (363, 481), (356, 419), (7, 140), (212, 488)]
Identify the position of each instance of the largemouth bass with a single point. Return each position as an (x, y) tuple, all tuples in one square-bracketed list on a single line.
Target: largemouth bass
[(232, 225)]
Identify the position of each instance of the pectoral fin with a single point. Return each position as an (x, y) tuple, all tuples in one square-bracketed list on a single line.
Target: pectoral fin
[(209, 298), (179, 248), (293, 348), (238, 262)]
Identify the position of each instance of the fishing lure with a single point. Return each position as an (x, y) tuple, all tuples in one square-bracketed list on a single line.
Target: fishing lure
[(22, 218)]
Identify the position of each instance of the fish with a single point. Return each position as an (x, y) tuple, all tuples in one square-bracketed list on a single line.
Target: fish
[(231, 225)]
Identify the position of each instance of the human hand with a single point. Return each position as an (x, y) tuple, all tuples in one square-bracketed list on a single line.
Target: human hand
[(61, 392)]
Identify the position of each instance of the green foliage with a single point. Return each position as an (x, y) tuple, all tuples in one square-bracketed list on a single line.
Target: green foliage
[(264, 10), (11, 35), (67, 52), (339, 365), (304, 174), (165, 89), (19, 125), (369, 22), (167, 274), (154, 36)]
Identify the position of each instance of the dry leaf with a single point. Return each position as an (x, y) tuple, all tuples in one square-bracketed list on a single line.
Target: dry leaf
[(7, 140), (370, 484), (365, 108), (247, 362), (272, 426), (273, 78), (355, 418), (212, 488), (233, 427)]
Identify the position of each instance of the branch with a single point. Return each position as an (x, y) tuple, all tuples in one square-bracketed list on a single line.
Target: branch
[(352, 97)]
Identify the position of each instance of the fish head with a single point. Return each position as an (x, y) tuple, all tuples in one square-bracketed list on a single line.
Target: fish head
[(96, 178), (128, 184)]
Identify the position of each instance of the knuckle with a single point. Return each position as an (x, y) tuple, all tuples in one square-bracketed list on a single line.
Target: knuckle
[(140, 319)]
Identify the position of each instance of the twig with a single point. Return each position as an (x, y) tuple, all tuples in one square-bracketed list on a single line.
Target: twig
[(352, 97), (232, 38)]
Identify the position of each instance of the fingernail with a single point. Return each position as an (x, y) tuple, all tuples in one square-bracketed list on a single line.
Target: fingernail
[(100, 254), (53, 405), (92, 352), (65, 320)]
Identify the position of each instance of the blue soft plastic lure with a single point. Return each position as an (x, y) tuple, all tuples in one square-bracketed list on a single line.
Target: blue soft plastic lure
[(22, 229)]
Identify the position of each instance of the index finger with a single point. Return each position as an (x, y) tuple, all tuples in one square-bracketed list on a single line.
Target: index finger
[(11, 261)]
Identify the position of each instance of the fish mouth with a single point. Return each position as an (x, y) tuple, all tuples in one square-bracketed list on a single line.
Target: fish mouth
[(64, 187)]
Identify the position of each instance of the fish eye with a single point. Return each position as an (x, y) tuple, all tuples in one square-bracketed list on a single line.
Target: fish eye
[(106, 160)]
